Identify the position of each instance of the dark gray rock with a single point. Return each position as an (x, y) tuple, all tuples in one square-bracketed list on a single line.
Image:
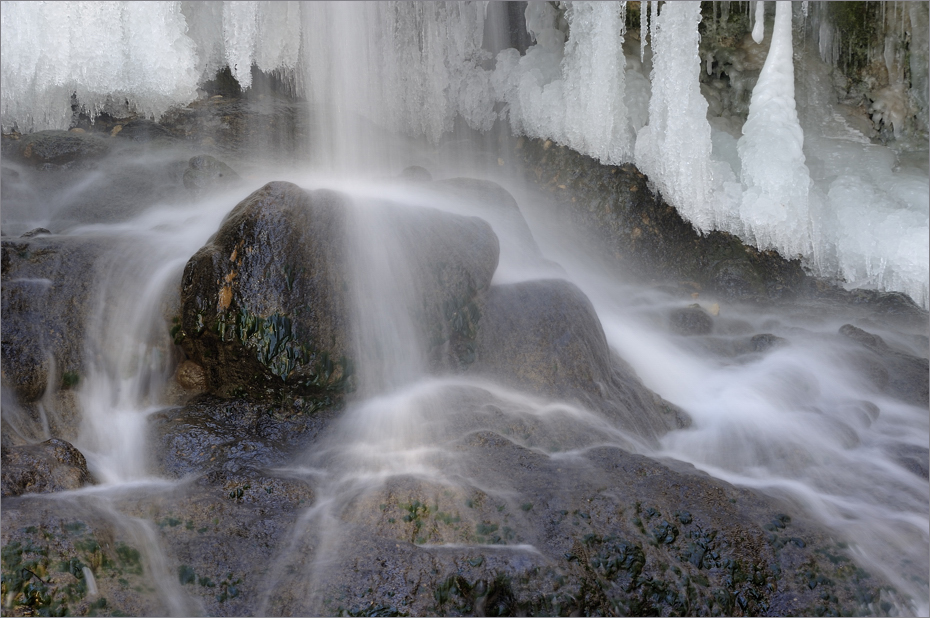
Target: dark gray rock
[(891, 371), (145, 131), (209, 434), (47, 292), (265, 304), (492, 202), (118, 192), (545, 337), (61, 147), (205, 173), (415, 173), (691, 321), (607, 533), (53, 465)]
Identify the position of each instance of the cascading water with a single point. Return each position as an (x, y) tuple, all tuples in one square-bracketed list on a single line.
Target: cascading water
[(496, 441)]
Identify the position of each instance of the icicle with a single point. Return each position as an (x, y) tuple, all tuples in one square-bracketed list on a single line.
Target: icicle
[(758, 30), (775, 202), (643, 29)]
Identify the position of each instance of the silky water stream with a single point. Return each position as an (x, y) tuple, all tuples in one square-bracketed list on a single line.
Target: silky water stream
[(434, 467)]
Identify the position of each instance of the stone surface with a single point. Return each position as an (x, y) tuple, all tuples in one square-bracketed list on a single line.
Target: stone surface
[(205, 174), (690, 321), (47, 294), (53, 465), (265, 305), (545, 337), (61, 147), (209, 434), (891, 371)]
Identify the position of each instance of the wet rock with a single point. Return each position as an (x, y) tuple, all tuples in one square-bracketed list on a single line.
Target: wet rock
[(415, 173), (913, 458), (492, 202), (743, 348), (191, 376), (891, 371), (645, 236), (35, 232), (53, 465), (119, 192), (61, 147), (143, 130), (62, 558), (545, 337), (205, 173), (610, 533), (265, 304), (213, 434), (47, 294), (691, 321)]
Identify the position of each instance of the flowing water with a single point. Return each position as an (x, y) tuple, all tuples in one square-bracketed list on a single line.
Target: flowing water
[(796, 422)]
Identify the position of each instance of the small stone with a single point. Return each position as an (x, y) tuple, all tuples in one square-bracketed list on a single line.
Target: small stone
[(190, 376)]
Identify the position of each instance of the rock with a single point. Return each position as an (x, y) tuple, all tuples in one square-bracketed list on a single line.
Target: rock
[(53, 465), (52, 547), (604, 533), (265, 304), (691, 321), (210, 434), (616, 207), (61, 147), (144, 131), (545, 337), (205, 173), (121, 191), (191, 376), (35, 232), (892, 372), (47, 292), (415, 173), (495, 204)]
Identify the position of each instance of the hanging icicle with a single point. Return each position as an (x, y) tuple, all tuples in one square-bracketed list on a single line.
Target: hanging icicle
[(758, 30)]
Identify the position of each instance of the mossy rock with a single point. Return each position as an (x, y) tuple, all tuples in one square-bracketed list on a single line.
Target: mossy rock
[(266, 305)]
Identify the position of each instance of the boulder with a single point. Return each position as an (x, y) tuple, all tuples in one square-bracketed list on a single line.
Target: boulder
[(266, 305), (496, 205), (118, 192), (691, 321), (47, 294), (61, 147), (205, 173), (545, 337), (893, 372), (209, 434), (53, 465), (605, 532)]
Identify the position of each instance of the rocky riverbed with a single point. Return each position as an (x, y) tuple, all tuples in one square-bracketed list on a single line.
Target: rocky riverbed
[(532, 492)]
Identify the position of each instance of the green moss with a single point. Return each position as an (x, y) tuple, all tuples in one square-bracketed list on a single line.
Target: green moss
[(276, 347)]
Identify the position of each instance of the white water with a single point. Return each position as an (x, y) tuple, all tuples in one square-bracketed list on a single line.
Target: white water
[(787, 422)]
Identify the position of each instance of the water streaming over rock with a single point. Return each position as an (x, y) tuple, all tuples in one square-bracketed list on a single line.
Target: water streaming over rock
[(329, 387)]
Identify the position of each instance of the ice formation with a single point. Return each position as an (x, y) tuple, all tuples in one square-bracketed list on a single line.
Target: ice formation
[(674, 149), (801, 176), (776, 181)]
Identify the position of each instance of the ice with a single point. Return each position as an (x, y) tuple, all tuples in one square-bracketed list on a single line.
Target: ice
[(102, 52), (674, 149), (414, 68), (774, 206)]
